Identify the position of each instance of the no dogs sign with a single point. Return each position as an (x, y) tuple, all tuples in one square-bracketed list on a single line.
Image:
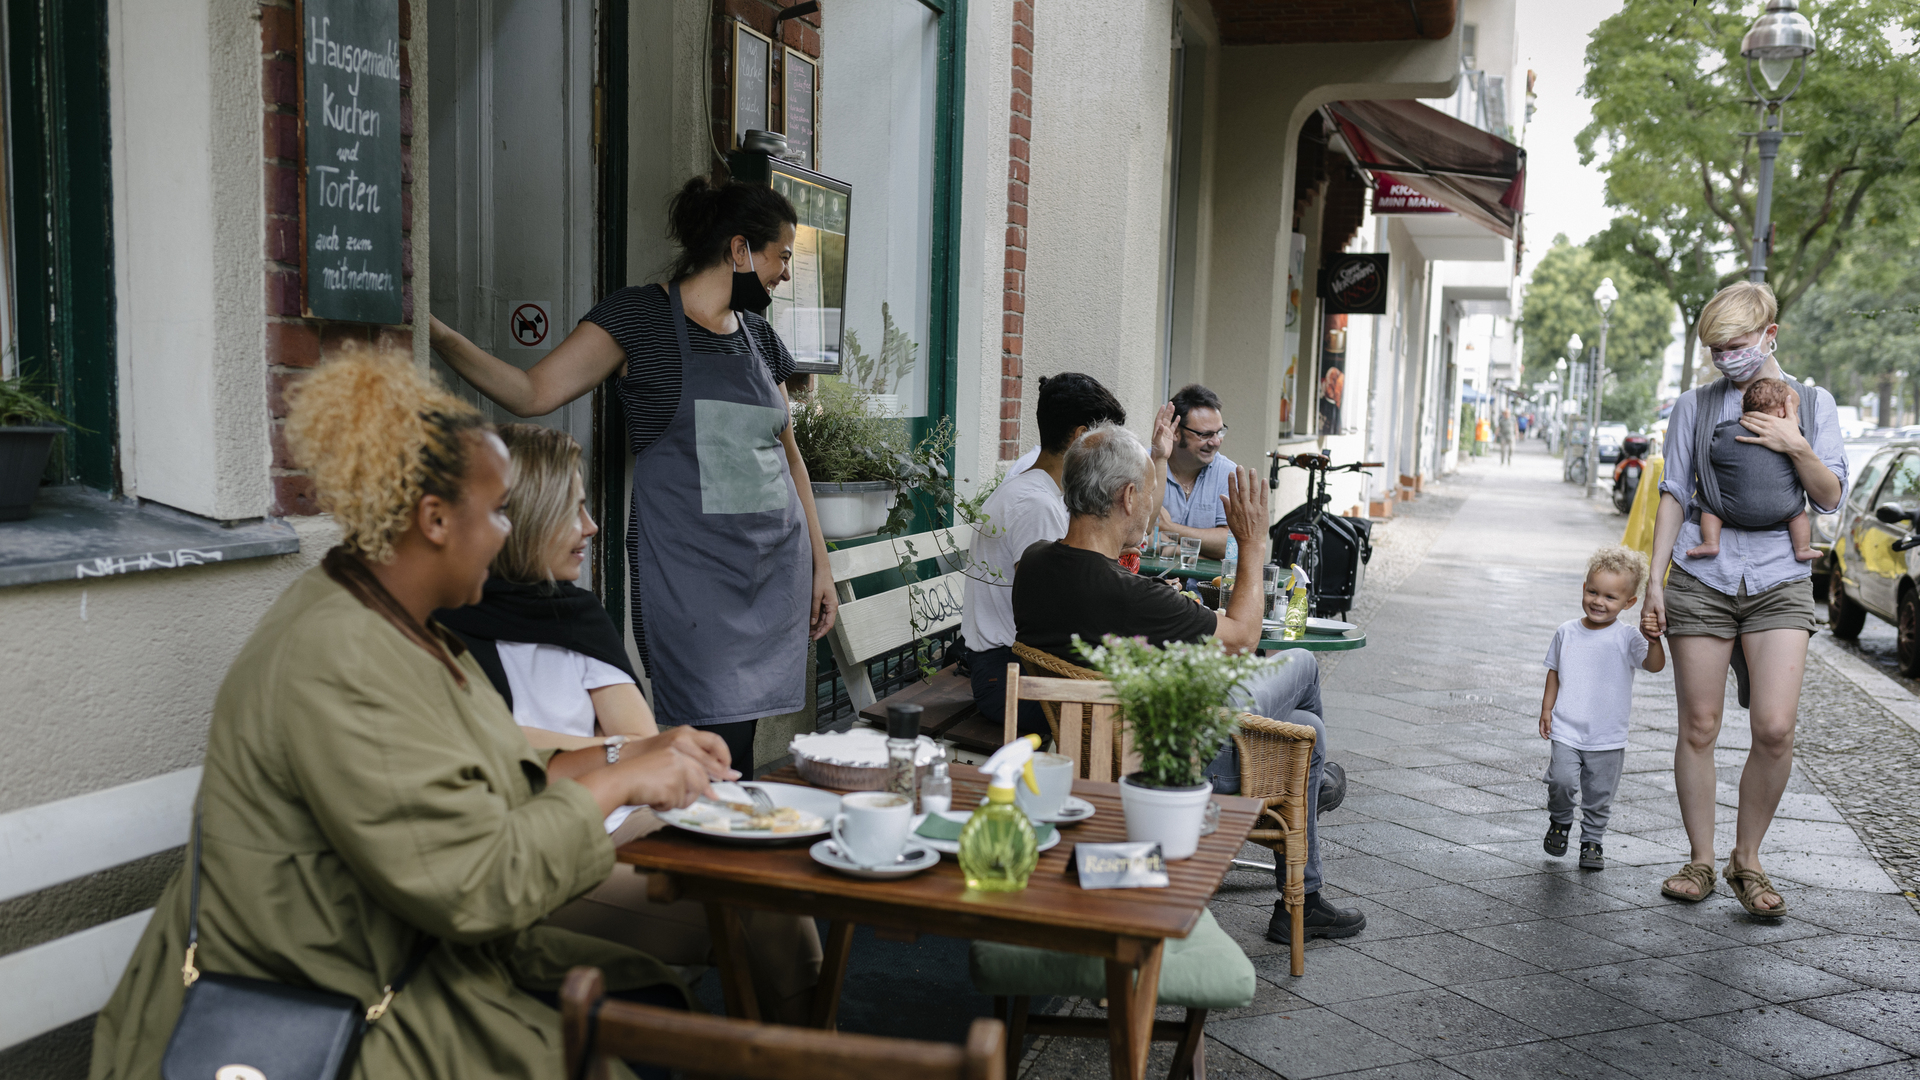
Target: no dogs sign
[(529, 323)]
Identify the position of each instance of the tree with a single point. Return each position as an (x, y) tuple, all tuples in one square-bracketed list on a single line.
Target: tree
[(1859, 328), (1559, 303), (1670, 93), (1677, 250)]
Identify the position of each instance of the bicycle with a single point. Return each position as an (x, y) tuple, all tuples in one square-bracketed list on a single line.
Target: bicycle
[(1304, 542)]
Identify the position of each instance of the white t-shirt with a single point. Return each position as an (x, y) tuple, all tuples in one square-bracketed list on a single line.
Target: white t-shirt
[(1024, 510), (550, 685), (1596, 682)]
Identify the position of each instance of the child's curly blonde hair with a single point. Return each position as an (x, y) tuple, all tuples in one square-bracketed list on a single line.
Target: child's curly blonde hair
[(378, 434), (1618, 559)]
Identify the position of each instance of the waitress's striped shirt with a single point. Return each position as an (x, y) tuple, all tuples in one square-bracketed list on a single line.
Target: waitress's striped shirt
[(640, 320)]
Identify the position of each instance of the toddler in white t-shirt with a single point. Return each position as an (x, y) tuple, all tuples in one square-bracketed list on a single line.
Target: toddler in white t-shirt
[(1590, 668)]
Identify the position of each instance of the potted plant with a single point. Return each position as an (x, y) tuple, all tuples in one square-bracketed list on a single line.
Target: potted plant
[(860, 464), (28, 426), (1174, 701), (880, 375)]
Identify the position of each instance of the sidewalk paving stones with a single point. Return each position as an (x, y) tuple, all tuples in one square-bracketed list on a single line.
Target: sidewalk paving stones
[(1483, 957)]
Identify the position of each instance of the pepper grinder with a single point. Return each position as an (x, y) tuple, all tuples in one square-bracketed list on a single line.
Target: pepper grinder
[(903, 742)]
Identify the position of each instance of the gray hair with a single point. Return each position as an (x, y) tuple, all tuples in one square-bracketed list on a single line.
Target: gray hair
[(1099, 466)]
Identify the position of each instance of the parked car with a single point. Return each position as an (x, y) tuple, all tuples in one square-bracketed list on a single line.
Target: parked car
[(1826, 527), (1874, 568), (1610, 436)]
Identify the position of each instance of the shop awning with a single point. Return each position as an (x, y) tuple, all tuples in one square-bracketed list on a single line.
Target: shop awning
[(1474, 173)]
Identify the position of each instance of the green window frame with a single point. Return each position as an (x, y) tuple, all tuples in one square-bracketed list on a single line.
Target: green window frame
[(61, 224)]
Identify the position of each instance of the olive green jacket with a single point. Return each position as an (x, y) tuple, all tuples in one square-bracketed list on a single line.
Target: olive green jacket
[(357, 797)]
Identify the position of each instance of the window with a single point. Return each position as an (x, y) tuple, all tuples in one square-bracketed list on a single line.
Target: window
[(880, 83), (1903, 484), (60, 324), (1868, 480)]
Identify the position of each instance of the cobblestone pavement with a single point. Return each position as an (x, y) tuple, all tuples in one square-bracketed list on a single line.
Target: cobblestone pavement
[(1483, 957)]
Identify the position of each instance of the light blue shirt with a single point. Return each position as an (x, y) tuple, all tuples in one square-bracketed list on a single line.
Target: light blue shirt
[(1202, 509), (1760, 559)]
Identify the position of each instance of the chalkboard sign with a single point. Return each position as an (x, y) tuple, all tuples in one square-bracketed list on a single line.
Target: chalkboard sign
[(752, 82), (350, 137), (799, 108)]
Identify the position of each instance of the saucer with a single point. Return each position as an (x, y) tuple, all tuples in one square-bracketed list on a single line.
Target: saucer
[(952, 847), (1075, 809), (918, 856)]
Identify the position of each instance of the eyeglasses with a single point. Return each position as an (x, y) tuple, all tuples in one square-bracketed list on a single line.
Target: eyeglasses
[(1206, 436)]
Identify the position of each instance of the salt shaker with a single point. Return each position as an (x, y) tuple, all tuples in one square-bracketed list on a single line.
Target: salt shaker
[(936, 792), (903, 742)]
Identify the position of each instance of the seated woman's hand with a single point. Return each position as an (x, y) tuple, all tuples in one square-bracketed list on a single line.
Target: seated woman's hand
[(703, 747), (664, 778)]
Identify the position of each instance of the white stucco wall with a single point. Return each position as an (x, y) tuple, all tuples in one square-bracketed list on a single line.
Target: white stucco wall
[(189, 232), (1098, 200), (983, 242)]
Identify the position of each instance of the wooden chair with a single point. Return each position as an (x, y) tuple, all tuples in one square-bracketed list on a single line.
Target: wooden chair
[(1091, 732), (1274, 759), (1088, 716), (872, 626), (597, 1028)]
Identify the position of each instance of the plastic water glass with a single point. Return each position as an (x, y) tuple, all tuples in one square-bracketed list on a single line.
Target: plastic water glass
[(1189, 552), (1269, 586)]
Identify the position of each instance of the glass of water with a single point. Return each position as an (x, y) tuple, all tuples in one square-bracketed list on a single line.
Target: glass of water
[(1189, 552), (1269, 585)]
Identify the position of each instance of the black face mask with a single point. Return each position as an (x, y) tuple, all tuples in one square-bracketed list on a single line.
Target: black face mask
[(748, 293)]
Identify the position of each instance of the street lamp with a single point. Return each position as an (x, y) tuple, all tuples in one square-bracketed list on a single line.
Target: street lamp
[(1557, 419), (1603, 298), (1778, 38)]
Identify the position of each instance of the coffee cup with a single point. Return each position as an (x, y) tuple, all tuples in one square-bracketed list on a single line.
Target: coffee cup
[(871, 828), (1053, 775)]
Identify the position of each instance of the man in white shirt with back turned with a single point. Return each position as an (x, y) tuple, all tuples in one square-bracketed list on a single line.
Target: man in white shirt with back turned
[(1024, 510)]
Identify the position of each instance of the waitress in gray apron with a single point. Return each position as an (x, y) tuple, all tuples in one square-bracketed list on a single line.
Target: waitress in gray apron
[(727, 565)]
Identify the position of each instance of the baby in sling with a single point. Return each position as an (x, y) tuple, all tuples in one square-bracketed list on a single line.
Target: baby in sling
[(1759, 488)]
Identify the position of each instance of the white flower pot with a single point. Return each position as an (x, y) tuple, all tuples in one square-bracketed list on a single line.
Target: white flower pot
[(1171, 817), (848, 511)]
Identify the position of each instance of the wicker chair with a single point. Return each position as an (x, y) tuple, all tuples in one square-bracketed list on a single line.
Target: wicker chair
[(1274, 759), (1051, 666)]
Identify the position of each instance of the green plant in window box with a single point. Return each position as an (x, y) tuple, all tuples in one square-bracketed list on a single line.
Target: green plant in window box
[(862, 464), (888, 368), (28, 426)]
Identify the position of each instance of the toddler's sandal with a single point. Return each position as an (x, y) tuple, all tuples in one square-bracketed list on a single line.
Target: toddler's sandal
[(1749, 886), (1699, 874)]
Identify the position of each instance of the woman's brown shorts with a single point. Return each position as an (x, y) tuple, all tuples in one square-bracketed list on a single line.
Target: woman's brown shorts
[(1695, 608)]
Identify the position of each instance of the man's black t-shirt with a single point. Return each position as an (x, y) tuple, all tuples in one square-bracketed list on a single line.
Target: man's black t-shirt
[(1060, 591)]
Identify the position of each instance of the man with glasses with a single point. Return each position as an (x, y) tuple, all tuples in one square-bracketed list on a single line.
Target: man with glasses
[(1197, 472)]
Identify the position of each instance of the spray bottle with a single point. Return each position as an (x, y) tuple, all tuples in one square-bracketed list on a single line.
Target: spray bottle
[(997, 848)]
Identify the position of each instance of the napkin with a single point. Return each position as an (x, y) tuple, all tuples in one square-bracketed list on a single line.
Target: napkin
[(937, 827)]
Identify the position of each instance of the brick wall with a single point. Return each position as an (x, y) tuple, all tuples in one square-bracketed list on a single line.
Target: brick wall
[(1014, 306), (296, 344), (1298, 22), (800, 34)]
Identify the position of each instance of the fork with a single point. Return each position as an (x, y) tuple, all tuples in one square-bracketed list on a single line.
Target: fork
[(727, 791)]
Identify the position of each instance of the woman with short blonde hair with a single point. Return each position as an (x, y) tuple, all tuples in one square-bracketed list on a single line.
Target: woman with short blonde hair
[(1750, 604)]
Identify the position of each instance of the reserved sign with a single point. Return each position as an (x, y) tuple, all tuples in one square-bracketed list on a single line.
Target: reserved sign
[(1120, 866)]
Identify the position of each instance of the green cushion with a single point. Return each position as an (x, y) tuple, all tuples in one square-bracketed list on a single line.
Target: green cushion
[(1204, 970)]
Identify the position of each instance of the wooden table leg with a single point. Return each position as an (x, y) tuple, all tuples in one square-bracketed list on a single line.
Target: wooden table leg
[(833, 972), (730, 956), (1132, 994)]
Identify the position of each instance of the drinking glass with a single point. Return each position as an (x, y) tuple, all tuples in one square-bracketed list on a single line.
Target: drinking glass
[(1270, 586), (1189, 552)]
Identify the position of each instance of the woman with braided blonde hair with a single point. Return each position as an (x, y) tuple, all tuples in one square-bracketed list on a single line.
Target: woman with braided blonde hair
[(368, 803)]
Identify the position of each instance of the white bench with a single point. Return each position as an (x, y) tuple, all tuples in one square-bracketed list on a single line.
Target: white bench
[(874, 626)]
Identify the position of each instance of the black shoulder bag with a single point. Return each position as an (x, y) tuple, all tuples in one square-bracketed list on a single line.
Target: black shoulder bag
[(234, 1027)]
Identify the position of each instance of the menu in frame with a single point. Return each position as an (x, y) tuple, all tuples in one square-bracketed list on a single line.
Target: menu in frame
[(351, 243), (752, 82), (806, 310), (801, 80)]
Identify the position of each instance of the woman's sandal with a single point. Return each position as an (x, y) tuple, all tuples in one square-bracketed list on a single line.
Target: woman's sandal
[(1699, 874), (1749, 886)]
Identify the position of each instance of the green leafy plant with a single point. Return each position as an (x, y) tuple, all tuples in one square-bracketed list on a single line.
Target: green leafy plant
[(1174, 699), (22, 406), (893, 363)]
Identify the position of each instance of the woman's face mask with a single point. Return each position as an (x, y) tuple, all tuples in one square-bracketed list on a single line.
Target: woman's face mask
[(1741, 365), (749, 292)]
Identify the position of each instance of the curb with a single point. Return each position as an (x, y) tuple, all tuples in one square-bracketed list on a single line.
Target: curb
[(1890, 695)]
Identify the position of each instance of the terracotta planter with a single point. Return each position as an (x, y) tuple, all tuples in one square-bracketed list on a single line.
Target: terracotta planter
[(23, 459)]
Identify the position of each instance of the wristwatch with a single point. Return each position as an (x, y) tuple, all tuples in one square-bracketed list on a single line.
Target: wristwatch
[(613, 745)]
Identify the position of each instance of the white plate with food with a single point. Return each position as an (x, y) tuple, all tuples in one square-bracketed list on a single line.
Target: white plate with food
[(799, 813)]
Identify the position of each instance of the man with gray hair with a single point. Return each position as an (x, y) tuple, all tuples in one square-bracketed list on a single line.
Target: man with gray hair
[(1075, 587)]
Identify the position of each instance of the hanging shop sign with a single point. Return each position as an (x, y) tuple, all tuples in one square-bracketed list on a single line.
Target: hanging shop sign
[(801, 77), (1354, 284), (752, 81), (351, 243), (1390, 196)]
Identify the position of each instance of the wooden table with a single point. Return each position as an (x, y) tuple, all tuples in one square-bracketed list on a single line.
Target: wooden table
[(1128, 928), (1351, 639)]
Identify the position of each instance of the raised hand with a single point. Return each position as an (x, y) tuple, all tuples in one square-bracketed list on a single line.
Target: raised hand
[(1163, 433)]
